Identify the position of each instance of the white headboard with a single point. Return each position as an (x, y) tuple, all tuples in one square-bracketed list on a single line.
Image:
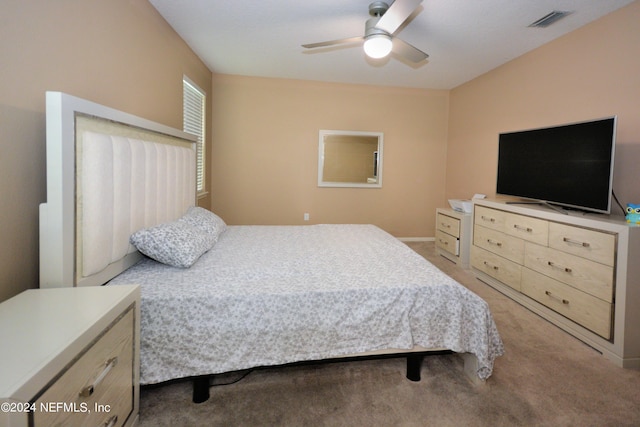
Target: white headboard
[(109, 174)]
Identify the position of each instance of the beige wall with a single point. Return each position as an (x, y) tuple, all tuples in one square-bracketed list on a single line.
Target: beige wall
[(265, 153), (590, 73), (119, 53)]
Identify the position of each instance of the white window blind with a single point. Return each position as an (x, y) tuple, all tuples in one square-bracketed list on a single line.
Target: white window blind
[(194, 123)]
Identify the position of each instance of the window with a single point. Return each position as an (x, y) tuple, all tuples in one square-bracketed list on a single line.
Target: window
[(194, 123)]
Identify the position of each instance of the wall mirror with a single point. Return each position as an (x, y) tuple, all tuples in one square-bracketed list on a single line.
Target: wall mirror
[(349, 159)]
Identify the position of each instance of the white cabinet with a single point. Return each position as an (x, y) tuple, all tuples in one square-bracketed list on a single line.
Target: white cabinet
[(70, 357), (453, 235), (578, 270)]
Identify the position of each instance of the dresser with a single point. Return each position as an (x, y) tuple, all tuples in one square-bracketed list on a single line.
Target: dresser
[(70, 357), (453, 235), (580, 271)]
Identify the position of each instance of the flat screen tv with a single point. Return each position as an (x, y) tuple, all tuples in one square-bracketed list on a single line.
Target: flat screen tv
[(569, 165)]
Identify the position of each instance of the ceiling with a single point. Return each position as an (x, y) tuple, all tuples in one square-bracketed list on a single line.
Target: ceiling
[(464, 38)]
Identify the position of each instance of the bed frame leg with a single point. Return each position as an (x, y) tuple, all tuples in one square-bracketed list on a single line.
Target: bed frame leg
[(201, 389), (414, 364)]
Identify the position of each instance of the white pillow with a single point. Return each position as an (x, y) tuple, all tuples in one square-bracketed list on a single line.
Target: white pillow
[(174, 243)]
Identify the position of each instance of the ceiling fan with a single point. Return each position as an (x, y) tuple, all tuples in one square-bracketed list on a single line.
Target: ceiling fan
[(378, 37)]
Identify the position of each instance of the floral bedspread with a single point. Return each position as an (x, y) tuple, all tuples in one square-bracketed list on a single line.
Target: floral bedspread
[(269, 295)]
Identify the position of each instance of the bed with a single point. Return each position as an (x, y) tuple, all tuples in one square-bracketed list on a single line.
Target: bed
[(218, 298)]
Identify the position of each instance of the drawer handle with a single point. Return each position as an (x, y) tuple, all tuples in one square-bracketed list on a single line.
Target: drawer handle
[(559, 267), (550, 295), (108, 366), (576, 242), (445, 225), (495, 267), (523, 228), (486, 218), (493, 242), (444, 242), (111, 421)]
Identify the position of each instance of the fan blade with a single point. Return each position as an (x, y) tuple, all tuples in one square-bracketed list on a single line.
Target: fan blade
[(332, 42), (408, 51), (397, 13)]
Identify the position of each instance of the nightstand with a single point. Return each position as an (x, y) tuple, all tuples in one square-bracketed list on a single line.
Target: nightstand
[(70, 357), (453, 234)]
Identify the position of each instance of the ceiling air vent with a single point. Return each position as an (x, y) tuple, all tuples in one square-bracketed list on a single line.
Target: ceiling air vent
[(549, 19)]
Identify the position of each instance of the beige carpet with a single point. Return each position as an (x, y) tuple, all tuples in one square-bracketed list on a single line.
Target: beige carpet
[(546, 378)]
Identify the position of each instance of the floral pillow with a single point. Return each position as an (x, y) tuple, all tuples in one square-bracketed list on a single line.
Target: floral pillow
[(176, 243), (204, 220)]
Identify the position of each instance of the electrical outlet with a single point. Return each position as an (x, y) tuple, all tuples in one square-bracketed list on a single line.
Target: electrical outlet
[(306, 216)]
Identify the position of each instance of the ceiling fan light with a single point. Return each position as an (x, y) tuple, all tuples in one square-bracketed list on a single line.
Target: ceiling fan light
[(377, 46)]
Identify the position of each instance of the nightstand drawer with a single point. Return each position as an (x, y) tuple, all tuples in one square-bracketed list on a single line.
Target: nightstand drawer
[(447, 242), (448, 224), (98, 388)]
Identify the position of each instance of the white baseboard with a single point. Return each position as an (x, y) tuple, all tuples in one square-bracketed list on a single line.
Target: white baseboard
[(417, 239)]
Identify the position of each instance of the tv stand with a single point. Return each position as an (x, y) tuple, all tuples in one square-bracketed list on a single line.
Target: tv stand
[(579, 273)]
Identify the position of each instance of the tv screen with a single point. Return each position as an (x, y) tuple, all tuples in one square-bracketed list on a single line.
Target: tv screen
[(569, 165)]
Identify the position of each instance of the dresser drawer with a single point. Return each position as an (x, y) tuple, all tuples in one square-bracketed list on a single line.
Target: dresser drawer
[(490, 218), (447, 242), (497, 267), (521, 226), (594, 245), (98, 388), (525, 227), (448, 224), (499, 243), (584, 309), (583, 274)]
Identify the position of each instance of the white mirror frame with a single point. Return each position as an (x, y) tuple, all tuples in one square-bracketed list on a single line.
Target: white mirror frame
[(321, 159)]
